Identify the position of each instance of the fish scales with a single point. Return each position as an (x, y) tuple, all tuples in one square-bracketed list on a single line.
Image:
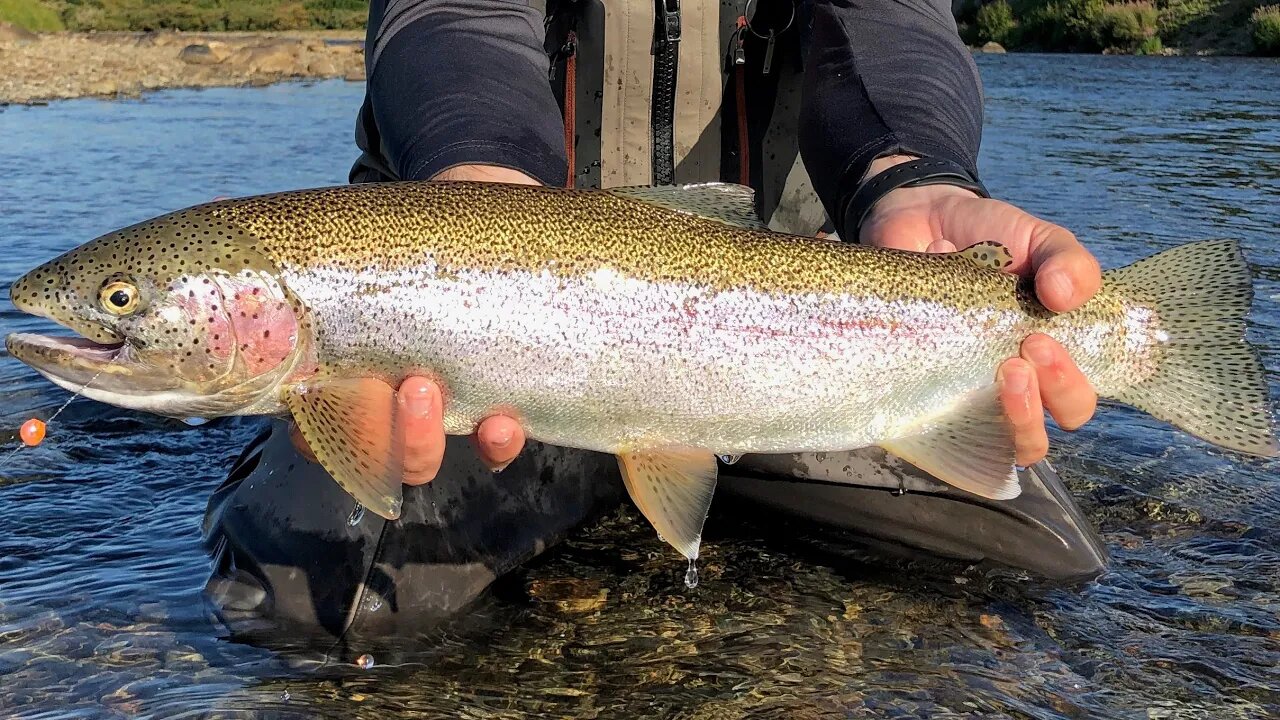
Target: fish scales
[(606, 323)]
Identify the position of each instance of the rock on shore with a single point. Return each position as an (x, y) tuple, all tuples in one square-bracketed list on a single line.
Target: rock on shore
[(67, 65)]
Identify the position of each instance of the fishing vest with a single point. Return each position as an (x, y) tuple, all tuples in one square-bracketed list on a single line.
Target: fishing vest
[(685, 91)]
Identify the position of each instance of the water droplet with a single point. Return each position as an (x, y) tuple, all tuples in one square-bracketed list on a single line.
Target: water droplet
[(691, 575), (729, 459), (375, 603), (356, 516), (364, 662), (195, 421)]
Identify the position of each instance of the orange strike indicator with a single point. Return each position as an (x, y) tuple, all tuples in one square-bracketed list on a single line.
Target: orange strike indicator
[(32, 432)]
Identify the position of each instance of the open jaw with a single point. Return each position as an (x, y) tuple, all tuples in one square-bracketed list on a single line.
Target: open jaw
[(71, 362)]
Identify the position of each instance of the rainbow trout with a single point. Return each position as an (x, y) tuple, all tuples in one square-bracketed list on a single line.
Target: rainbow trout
[(664, 325)]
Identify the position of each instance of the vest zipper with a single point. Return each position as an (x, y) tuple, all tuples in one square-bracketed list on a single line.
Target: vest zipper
[(666, 46)]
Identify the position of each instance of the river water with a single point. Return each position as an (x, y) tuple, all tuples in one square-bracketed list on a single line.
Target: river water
[(101, 565)]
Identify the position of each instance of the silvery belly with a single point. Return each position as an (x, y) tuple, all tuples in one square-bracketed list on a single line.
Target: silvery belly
[(605, 362)]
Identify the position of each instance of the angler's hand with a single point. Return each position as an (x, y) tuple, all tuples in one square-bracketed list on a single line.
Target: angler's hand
[(945, 218), (498, 439), (420, 414)]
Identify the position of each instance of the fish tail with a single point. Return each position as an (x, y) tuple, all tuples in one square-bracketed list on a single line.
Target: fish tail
[(1208, 380)]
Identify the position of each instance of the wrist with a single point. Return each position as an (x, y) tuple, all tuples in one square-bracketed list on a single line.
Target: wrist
[(485, 173), (897, 182), (911, 196)]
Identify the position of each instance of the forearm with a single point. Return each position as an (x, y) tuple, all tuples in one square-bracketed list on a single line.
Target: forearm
[(463, 82), (884, 78)]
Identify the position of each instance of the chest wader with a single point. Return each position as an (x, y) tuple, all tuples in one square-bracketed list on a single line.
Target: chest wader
[(652, 90)]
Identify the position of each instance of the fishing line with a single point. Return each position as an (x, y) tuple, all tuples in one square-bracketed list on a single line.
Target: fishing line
[(4, 462)]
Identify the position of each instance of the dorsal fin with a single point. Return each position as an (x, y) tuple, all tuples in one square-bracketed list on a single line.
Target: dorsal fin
[(726, 202), (989, 254)]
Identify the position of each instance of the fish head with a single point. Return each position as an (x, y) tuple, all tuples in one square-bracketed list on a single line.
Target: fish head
[(178, 316)]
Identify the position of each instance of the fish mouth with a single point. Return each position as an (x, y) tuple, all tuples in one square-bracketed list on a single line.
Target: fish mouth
[(62, 348), (75, 362), (64, 359)]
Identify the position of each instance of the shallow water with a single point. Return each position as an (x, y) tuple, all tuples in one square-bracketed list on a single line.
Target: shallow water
[(100, 557)]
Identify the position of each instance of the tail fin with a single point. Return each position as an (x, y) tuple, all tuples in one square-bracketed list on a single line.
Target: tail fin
[(1209, 381)]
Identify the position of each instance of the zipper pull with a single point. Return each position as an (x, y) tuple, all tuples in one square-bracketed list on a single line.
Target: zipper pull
[(566, 51), (768, 52), (738, 40)]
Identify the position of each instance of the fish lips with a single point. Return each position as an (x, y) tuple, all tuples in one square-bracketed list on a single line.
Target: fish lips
[(109, 369)]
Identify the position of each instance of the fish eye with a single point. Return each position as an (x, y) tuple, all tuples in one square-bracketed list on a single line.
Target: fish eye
[(119, 298)]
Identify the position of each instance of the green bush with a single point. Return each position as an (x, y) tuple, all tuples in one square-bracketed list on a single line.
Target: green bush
[(1039, 28), (213, 15), (1264, 26), (1150, 46), (30, 14), (1175, 15), (1126, 27), (1059, 25), (995, 22), (1082, 18), (337, 14)]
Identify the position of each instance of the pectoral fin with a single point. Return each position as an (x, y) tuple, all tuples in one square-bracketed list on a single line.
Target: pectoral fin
[(970, 447), (349, 423), (673, 488)]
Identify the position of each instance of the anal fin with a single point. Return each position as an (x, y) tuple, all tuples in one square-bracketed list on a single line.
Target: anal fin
[(969, 447), (349, 423), (673, 488)]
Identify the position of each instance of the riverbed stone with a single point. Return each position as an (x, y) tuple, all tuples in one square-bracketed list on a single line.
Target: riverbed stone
[(570, 595), (198, 55), (275, 58), (12, 33), (322, 67), (102, 87)]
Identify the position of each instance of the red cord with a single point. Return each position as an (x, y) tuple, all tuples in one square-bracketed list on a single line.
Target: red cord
[(570, 106)]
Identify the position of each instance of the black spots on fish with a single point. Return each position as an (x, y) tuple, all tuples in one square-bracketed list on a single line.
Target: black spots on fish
[(989, 254), (1208, 380), (345, 422)]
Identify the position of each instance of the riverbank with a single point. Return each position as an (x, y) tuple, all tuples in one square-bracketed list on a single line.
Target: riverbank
[(1131, 27), (55, 66)]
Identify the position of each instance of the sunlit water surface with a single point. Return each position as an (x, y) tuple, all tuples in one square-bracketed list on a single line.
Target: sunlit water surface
[(101, 565)]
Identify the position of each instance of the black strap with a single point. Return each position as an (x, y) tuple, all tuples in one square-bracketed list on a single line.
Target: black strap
[(666, 46), (915, 173)]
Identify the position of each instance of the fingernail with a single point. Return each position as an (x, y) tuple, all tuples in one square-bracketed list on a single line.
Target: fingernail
[(417, 401), (1039, 353), (1015, 381), (500, 437), (1057, 283)]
